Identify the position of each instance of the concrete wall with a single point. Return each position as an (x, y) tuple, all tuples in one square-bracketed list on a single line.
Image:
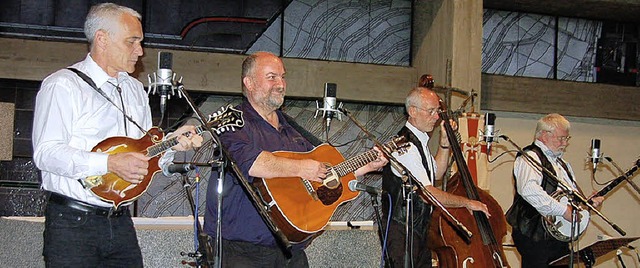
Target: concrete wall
[(163, 239)]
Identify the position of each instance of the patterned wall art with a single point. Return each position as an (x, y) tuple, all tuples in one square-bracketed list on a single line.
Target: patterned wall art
[(522, 44), (377, 32)]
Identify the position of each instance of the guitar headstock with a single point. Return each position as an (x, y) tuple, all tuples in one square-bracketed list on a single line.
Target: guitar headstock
[(226, 118), (399, 144)]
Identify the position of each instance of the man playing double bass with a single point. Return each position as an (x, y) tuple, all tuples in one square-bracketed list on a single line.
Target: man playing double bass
[(422, 105), (533, 193)]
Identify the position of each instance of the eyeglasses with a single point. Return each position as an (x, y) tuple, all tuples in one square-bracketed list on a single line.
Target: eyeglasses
[(431, 111), (560, 138)]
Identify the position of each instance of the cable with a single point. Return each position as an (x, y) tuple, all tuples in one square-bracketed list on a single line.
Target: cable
[(386, 231), (500, 155), (619, 253)]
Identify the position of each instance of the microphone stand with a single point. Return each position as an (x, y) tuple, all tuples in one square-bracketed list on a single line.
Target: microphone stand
[(381, 230), (203, 252), (281, 239), (412, 183), (572, 196)]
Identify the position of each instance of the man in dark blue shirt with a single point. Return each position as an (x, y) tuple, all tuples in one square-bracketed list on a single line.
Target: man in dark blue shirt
[(247, 241)]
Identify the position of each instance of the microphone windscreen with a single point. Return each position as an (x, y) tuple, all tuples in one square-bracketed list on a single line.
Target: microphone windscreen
[(165, 60)]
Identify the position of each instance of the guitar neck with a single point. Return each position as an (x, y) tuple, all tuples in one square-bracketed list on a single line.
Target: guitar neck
[(618, 180), (163, 146), (355, 162)]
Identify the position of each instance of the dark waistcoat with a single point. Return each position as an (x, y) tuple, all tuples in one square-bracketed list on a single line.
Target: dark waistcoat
[(421, 212), (524, 217)]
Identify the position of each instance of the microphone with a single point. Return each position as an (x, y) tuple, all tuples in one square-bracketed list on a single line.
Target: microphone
[(163, 80), (178, 168), (595, 154), (489, 130), (356, 186), (329, 107)]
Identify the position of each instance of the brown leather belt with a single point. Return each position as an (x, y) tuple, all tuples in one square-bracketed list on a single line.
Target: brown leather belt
[(87, 208)]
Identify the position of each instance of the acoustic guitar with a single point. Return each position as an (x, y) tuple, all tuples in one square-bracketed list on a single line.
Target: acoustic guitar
[(302, 208), (113, 189)]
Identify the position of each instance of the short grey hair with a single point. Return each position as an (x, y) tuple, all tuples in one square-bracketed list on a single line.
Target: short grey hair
[(552, 122), (102, 17), (414, 98), (249, 64), (247, 69)]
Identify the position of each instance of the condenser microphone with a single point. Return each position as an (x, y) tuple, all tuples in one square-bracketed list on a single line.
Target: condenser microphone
[(595, 153), (329, 102), (330, 107), (162, 83), (178, 168), (356, 186), (489, 130)]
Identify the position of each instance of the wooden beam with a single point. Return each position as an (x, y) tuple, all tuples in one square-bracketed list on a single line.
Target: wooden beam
[(536, 95), (220, 73), (7, 111)]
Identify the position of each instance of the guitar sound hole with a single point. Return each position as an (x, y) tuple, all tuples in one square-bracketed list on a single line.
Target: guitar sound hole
[(329, 196)]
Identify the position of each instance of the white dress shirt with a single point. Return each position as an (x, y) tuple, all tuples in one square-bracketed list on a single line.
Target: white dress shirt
[(529, 180), (70, 118), (413, 161)]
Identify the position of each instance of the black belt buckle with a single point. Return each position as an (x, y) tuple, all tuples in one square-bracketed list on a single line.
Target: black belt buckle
[(87, 208), (113, 213)]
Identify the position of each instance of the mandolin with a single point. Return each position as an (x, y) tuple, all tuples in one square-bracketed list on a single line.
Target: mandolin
[(113, 189)]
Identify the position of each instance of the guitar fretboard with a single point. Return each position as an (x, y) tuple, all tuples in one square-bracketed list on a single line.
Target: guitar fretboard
[(356, 162)]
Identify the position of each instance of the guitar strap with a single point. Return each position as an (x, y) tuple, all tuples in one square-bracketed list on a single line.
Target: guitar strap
[(566, 169), (306, 134), (89, 81)]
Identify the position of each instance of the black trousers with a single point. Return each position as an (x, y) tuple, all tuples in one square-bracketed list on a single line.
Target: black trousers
[(536, 254), (246, 255), (419, 254), (74, 238)]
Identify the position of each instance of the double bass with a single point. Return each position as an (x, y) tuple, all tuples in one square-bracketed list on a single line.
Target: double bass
[(484, 249)]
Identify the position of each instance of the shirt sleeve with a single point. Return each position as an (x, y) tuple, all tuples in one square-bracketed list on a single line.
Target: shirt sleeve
[(412, 161), (241, 148), (528, 185), (52, 130)]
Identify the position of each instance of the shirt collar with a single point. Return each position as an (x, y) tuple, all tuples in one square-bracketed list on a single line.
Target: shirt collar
[(423, 137), (251, 113), (99, 76)]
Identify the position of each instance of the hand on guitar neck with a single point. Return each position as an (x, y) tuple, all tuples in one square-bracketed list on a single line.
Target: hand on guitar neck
[(594, 200), (133, 166), (188, 138), (374, 165)]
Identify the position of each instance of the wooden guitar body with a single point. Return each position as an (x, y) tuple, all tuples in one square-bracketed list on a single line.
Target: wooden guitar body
[(452, 250), (297, 211), (111, 188), (302, 208)]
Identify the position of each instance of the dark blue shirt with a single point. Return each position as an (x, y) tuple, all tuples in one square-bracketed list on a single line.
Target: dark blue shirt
[(240, 219)]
